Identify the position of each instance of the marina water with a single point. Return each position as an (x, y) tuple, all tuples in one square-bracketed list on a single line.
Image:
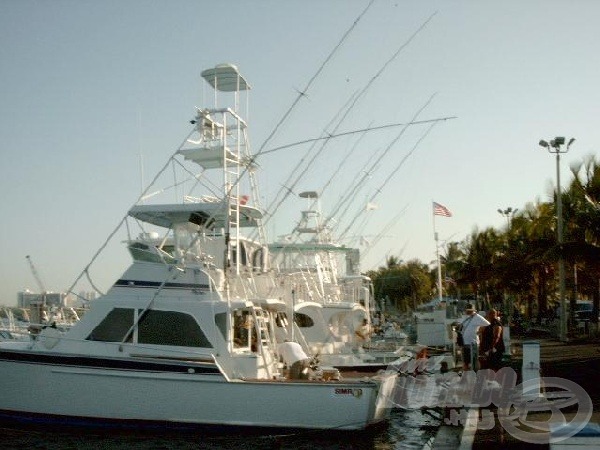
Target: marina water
[(405, 430)]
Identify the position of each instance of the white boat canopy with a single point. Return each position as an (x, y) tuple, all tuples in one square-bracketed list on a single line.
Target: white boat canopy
[(210, 157), (208, 215), (226, 78)]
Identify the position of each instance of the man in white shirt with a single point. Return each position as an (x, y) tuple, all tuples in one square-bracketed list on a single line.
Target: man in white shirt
[(470, 331), (363, 334), (297, 361)]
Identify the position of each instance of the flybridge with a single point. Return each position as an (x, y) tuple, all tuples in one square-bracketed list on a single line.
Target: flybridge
[(207, 215)]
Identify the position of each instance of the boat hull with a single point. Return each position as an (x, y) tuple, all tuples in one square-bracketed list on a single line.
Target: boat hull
[(118, 393)]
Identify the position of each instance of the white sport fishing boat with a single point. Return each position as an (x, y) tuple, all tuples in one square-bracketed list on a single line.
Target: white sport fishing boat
[(324, 290), (183, 339)]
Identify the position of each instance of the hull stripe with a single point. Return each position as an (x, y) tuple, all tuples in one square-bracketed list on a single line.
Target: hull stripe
[(199, 368), (156, 284)]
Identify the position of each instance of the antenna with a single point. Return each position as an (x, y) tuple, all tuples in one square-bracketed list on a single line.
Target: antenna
[(141, 152)]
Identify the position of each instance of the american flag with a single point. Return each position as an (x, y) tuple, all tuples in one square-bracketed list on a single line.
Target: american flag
[(441, 210)]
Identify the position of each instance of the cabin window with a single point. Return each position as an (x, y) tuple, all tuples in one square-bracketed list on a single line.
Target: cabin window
[(114, 326), (244, 254), (244, 257), (171, 328), (221, 323), (154, 327), (303, 321)]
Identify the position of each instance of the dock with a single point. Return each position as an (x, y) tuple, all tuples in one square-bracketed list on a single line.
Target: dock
[(480, 428)]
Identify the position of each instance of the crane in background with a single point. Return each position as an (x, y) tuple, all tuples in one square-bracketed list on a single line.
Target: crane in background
[(38, 279), (41, 315), (37, 310)]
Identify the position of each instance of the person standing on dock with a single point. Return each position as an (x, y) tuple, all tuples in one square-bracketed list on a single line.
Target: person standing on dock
[(492, 342), (470, 331)]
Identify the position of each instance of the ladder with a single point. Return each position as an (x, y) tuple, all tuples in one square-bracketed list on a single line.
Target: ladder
[(267, 346), (236, 159)]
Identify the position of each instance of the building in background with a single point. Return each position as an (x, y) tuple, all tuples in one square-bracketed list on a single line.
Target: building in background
[(58, 299)]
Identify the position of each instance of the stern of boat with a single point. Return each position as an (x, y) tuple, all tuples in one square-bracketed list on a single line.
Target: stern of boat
[(385, 395)]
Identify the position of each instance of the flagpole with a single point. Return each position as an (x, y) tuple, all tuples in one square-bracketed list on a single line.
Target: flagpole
[(442, 211), (437, 254)]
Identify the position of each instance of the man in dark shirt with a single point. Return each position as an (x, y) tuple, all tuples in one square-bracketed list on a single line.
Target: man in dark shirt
[(492, 342)]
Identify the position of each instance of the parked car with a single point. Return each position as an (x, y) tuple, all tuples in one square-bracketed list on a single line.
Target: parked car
[(583, 310)]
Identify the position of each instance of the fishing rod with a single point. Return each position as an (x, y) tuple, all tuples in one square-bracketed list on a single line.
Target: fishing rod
[(391, 175), (385, 66), (361, 130), (351, 194), (288, 186), (384, 231), (354, 102), (303, 92), (435, 121)]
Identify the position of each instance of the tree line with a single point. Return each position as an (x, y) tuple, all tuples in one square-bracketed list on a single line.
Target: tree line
[(516, 264)]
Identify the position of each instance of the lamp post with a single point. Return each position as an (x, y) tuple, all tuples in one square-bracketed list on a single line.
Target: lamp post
[(508, 213), (556, 146)]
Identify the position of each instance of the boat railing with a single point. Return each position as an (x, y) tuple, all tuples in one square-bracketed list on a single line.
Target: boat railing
[(298, 287), (242, 286), (215, 279), (266, 285), (10, 319)]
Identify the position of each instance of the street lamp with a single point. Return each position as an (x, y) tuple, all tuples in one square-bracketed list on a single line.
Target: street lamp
[(508, 213), (556, 146)]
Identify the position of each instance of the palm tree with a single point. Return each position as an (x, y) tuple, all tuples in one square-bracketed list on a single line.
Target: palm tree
[(403, 284), (483, 249), (537, 229), (453, 260), (519, 262), (582, 248), (392, 261)]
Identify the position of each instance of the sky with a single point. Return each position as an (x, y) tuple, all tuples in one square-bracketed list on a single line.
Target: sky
[(89, 89)]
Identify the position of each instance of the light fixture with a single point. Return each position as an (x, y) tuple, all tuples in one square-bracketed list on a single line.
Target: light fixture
[(555, 146)]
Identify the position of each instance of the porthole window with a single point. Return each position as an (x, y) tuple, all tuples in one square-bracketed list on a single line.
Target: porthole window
[(303, 321)]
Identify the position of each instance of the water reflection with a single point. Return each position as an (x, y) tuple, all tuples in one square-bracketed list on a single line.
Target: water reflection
[(405, 430)]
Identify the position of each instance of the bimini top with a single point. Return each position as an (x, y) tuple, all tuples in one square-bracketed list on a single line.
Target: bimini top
[(226, 78), (208, 215)]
